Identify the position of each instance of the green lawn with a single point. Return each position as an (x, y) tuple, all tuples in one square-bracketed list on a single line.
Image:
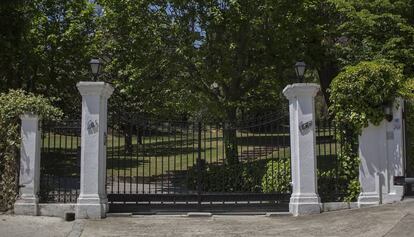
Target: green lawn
[(162, 154), (158, 155)]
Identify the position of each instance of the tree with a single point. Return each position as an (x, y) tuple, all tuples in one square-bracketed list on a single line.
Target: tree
[(220, 57), (241, 55), (348, 32), (15, 18), (136, 38), (50, 50)]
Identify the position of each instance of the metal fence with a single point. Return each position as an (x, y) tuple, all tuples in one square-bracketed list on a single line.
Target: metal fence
[(161, 162), (60, 161), (151, 161), (331, 186)]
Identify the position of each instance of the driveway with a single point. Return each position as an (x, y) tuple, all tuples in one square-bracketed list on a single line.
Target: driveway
[(386, 220)]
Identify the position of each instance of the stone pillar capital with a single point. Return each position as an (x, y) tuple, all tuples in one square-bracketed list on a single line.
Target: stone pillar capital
[(29, 116), (91, 88), (301, 89)]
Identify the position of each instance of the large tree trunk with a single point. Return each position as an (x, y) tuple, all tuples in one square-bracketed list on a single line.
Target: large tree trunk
[(327, 73), (230, 137), (128, 140)]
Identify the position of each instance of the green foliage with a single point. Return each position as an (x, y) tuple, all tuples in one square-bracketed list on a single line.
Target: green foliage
[(12, 105), (47, 47), (375, 29), (359, 93), (346, 32), (257, 176), (277, 177), (167, 55), (242, 177)]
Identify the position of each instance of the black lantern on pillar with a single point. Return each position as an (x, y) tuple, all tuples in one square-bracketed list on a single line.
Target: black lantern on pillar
[(388, 112), (96, 67), (300, 68)]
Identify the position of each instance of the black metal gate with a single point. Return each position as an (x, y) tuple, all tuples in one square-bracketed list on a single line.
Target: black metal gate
[(161, 165)]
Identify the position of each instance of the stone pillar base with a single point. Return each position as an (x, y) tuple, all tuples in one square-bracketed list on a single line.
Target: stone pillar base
[(304, 204), (395, 196), (91, 208), (368, 199), (27, 206)]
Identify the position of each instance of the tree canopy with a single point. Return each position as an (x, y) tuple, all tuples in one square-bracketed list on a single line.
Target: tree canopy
[(176, 58)]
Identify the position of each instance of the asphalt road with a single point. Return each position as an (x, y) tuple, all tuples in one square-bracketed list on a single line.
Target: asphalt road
[(386, 220)]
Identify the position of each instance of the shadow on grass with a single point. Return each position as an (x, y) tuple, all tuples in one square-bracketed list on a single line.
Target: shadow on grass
[(60, 162), (274, 141), (150, 151)]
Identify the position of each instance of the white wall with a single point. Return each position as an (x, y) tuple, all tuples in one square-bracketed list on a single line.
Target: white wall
[(381, 154)]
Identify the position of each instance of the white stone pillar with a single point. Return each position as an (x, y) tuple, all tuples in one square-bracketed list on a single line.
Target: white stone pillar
[(381, 152), (29, 180), (372, 150), (92, 202), (395, 154), (304, 199)]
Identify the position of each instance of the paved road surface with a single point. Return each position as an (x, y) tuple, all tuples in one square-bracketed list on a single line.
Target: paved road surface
[(387, 220)]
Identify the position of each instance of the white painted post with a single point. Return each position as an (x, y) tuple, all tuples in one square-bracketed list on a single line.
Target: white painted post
[(92, 202), (396, 146), (304, 199), (381, 152), (372, 150), (29, 180)]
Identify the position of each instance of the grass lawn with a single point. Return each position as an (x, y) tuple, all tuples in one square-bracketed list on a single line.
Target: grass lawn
[(164, 154)]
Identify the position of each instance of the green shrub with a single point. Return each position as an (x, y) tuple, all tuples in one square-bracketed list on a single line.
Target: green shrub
[(277, 177), (12, 105), (359, 93), (242, 177)]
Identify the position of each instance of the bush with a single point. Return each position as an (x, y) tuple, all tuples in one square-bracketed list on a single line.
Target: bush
[(242, 177), (12, 105), (359, 93), (266, 176), (277, 177)]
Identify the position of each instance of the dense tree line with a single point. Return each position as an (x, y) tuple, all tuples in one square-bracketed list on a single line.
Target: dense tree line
[(181, 57), (221, 59)]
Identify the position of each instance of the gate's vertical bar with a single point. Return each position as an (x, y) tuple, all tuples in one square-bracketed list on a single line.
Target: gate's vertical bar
[(199, 175), (111, 135), (155, 154), (149, 157), (169, 133), (162, 158), (130, 153), (71, 148)]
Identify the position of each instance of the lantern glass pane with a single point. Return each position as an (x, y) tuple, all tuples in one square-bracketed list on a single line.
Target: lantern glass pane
[(300, 68), (95, 66)]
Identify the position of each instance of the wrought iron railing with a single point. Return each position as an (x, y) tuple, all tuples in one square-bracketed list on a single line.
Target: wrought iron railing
[(167, 157), (60, 161), (179, 162), (331, 186)]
